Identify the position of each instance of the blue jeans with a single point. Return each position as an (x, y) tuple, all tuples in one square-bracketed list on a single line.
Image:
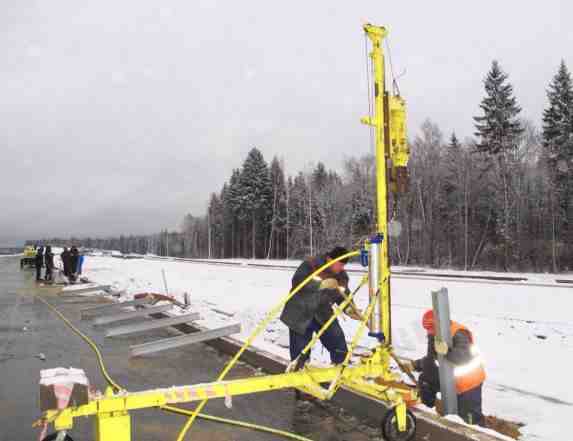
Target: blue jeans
[(333, 340)]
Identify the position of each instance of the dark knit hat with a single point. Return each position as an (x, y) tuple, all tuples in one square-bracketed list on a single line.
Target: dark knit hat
[(337, 252)]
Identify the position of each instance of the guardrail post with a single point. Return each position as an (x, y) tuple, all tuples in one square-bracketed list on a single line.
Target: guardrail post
[(441, 305)]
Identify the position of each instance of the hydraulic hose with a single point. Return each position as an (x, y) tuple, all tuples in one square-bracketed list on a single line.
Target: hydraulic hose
[(262, 325), (284, 433), (85, 338)]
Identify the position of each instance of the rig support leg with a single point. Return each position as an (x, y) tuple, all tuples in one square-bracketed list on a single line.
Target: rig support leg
[(113, 426)]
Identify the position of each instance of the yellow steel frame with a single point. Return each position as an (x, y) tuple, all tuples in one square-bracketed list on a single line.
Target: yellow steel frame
[(112, 410), (371, 376)]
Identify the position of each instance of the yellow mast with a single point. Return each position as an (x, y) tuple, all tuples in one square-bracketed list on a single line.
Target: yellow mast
[(389, 124)]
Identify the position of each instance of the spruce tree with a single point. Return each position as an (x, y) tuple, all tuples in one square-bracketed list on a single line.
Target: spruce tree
[(558, 156), (319, 177), (499, 133), (558, 119), (451, 210), (234, 205), (298, 216), (256, 195), (278, 217), (498, 129)]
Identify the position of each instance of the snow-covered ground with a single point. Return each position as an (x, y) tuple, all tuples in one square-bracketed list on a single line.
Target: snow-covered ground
[(525, 333)]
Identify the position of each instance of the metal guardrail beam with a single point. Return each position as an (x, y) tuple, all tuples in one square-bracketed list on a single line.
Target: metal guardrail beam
[(89, 289), (150, 324), (87, 312), (130, 314), (184, 340)]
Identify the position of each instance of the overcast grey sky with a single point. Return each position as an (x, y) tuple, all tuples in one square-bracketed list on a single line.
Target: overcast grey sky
[(122, 116)]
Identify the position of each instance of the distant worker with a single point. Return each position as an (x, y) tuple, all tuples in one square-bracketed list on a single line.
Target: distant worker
[(469, 372), (80, 264), (306, 312), (39, 263), (49, 261), (74, 258), (65, 256)]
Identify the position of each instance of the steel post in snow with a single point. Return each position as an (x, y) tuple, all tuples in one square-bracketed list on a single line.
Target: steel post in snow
[(441, 305), (150, 324), (130, 314), (175, 342)]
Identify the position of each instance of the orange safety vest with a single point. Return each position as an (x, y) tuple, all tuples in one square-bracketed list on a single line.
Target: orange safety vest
[(471, 374)]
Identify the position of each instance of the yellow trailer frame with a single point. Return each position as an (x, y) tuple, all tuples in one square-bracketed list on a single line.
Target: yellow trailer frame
[(371, 376)]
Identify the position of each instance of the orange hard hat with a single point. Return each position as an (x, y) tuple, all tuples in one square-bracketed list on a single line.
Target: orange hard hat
[(428, 321)]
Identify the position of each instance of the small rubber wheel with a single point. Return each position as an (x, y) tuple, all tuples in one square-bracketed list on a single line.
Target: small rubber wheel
[(390, 430), (53, 436)]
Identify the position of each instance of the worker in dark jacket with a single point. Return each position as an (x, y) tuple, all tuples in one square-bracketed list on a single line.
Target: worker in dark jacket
[(311, 307), (49, 261), (469, 373), (39, 263), (74, 258), (65, 256)]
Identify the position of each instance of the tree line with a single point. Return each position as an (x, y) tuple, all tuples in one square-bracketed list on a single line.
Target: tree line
[(500, 200)]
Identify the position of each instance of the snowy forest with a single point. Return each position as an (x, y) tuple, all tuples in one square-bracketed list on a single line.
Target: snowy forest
[(500, 200)]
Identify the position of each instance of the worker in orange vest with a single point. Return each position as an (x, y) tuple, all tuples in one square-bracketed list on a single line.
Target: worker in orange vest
[(469, 372)]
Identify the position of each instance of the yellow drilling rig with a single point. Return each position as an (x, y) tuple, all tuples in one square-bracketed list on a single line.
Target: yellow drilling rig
[(371, 375)]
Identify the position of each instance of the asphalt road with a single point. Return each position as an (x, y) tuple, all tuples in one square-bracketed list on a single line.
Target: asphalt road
[(28, 328)]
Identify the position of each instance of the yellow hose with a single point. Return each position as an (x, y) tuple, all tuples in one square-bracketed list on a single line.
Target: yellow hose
[(186, 412), (262, 325), (167, 408), (88, 341)]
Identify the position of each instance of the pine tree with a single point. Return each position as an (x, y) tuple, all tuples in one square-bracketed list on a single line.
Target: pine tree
[(558, 156), (498, 129)]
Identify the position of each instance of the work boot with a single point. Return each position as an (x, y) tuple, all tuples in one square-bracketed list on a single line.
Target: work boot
[(303, 401), (302, 396)]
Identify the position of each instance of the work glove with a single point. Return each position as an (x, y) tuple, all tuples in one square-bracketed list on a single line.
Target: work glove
[(408, 365), (440, 346), (329, 284), (353, 313)]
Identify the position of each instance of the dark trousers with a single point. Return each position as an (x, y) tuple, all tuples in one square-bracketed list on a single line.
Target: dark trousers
[(48, 275), (469, 406), (333, 340), (38, 272), (469, 402)]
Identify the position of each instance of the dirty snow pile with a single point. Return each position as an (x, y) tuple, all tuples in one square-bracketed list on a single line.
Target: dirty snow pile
[(525, 333)]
